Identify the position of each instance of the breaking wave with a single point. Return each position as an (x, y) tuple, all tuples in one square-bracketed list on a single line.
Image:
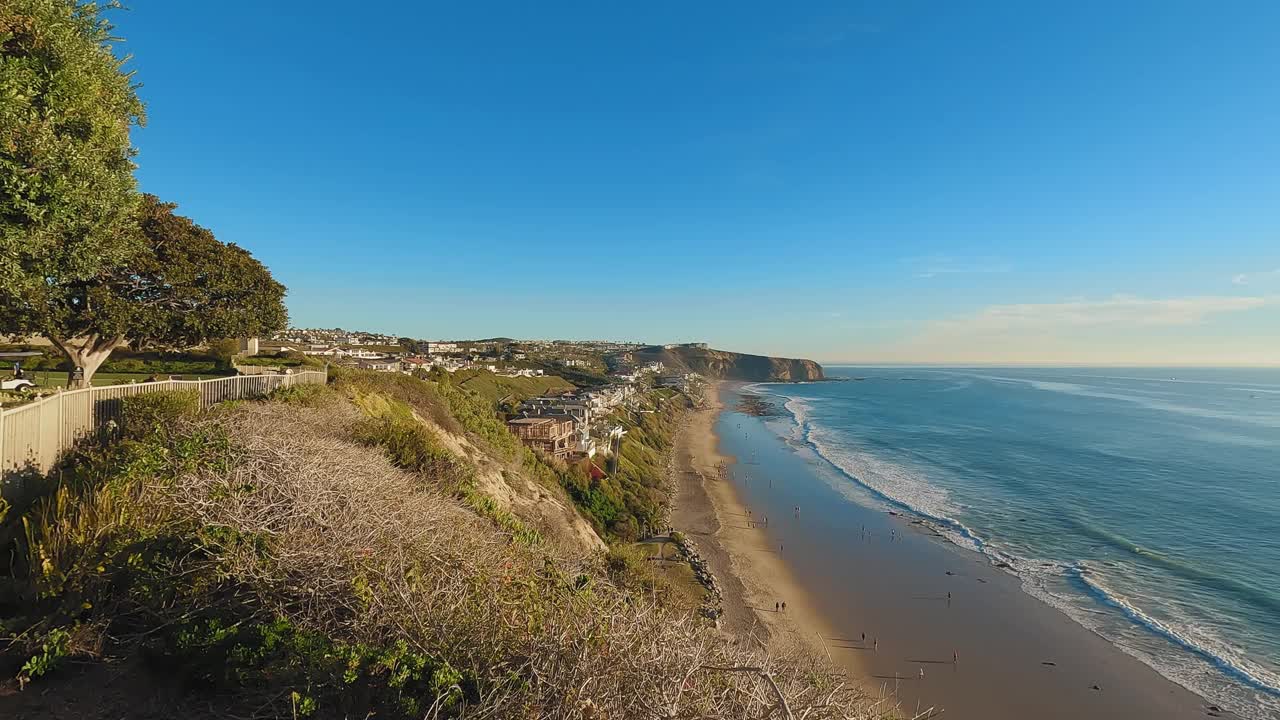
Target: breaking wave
[(904, 489)]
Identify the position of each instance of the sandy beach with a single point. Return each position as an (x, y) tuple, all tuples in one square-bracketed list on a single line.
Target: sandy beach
[(943, 628), (708, 509)]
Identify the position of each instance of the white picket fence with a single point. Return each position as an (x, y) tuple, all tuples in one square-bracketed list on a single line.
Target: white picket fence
[(33, 437)]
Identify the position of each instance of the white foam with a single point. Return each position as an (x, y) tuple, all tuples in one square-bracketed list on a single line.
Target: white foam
[(961, 385), (1255, 390), (1213, 670), (899, 485), (799, 409), (1251, 691)]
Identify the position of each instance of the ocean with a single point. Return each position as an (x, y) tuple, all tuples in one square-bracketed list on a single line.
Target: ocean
[(1142, 503)]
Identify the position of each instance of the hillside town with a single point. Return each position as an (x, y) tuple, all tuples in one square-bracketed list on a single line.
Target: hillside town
[(569, 424), (567, 408), (504, 356)]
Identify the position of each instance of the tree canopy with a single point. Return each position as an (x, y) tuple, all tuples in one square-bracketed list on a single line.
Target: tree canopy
[(182, 288), (84, 259), (67, 191)]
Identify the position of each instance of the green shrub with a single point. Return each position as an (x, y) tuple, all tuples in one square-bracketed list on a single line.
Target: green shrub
[(304, 395), (222, 653), (163, 363), (477, 415), (53, 649), (416, 394), (143, 414), (413, 446), (488, 507), (97, 525), (630, 568)]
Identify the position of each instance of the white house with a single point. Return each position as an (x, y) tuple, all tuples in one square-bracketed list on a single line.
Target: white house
[(320, 350), (381, 364)]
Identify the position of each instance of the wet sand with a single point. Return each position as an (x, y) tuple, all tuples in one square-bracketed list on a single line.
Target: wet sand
[(707, 509), (845, 569)]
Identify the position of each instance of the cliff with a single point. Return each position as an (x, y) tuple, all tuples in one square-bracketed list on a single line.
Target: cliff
[(725, 365), (382, 545)]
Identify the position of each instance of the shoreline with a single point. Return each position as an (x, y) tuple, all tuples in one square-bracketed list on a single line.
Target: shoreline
[(710, 511), (1014, 656)]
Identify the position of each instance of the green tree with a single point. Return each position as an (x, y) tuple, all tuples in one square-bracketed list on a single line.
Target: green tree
[(183, 288), (67, 192), (224, 351)]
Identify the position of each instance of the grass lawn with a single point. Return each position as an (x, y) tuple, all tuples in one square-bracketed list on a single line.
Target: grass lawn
[(56, 379), (496, 387), (59, 379)]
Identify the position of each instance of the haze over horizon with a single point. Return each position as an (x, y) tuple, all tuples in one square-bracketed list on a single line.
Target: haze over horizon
[(904, 182)]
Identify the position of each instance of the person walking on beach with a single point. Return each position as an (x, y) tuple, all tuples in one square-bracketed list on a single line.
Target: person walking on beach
[(875, 647), (864, 638), (955, 657), (784, 606), (922, 673), (775, 607)]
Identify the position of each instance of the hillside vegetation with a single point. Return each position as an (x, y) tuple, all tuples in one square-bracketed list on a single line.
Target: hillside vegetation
[(379, 546), (499, 388), (617, 506)]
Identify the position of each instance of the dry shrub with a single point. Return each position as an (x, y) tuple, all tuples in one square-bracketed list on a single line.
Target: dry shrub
[(347, 547), (148, 412), (365, 552)]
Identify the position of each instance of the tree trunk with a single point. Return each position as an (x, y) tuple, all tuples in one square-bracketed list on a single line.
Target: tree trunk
[(87, 353)]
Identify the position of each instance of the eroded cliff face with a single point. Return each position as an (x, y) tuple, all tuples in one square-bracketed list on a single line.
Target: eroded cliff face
[(725, 365), (546, 509)]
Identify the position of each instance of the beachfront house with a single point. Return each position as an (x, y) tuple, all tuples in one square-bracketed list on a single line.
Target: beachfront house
[(551, 435), (579, 408)]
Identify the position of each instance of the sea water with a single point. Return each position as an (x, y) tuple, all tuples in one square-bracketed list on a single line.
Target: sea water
[(1144, 504)]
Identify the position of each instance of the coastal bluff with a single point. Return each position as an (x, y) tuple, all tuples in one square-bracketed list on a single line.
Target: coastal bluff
[(725, 365)]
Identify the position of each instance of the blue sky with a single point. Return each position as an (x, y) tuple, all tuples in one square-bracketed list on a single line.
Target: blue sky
[(1090, 182)]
